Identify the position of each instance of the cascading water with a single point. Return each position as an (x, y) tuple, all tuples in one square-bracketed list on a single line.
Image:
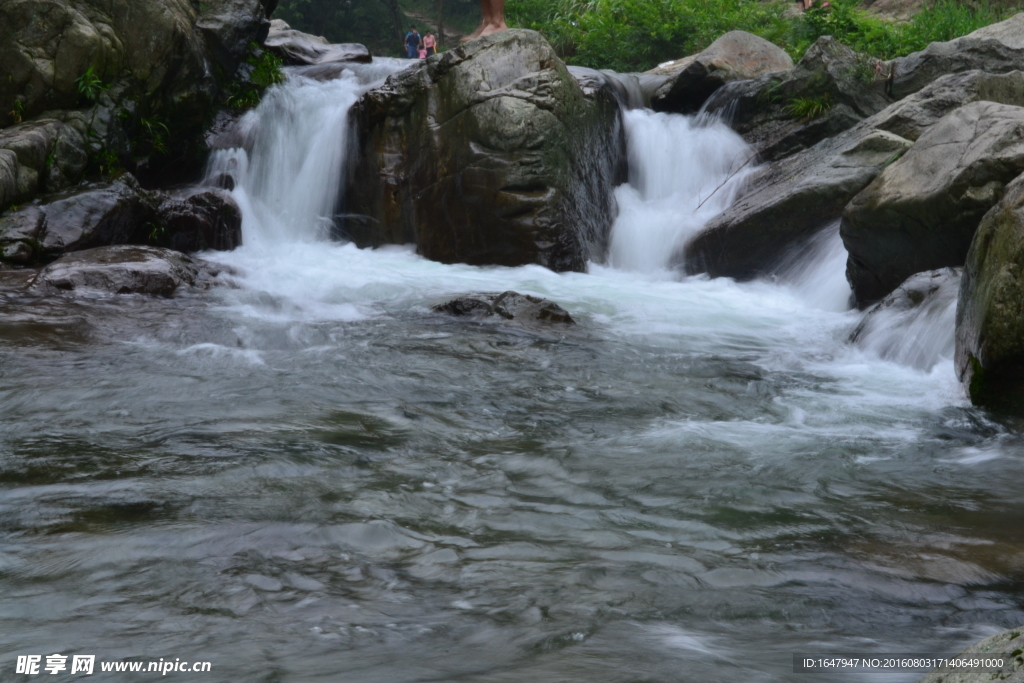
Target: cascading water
[(682, 172), (289, 184), (310, 476)]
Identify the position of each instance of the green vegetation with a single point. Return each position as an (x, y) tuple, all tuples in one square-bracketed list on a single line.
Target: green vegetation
[(808, 108), (90, 85), (635, 35), (17, 112), (266, 71)]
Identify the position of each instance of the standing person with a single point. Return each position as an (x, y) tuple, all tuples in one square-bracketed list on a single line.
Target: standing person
[(430, 43), (492, 19), (412, 43)]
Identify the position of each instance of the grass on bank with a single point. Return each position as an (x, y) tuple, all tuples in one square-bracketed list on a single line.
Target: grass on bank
[(635, 35)]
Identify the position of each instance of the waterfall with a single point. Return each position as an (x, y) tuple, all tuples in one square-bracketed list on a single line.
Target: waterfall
[(289, 183), (682, 172)]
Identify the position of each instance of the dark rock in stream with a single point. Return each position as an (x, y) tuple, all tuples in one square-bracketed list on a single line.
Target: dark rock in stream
[(487, 154), (123, 270), (196, 222), (522, 308)]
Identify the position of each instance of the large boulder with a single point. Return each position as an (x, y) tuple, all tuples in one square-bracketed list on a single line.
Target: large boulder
[(922, 211), (116, 70), (829, 90), (990, 310), (488, 154), (789, 201), (735, 56), (998, 48), (99, 215), (302, 49), (121, 270)]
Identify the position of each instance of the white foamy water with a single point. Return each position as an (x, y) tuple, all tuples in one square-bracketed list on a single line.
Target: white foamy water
[(683, 171)]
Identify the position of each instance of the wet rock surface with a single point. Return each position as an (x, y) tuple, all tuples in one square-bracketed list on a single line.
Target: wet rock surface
[(488, 154), (922, 210), (121, 270), (513, 306), (209, 219), (990, 311)]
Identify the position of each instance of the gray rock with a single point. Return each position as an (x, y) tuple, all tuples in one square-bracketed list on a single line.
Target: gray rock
[(121, 270), (628, 89), (208, 219), (922, 211), (998, 48), (850, 85), (911, 116), (522, 308), (49, 155), (990, 310), (488, 154), (302, 49), (735, 56), (1005, 643), (789, 201), (99, 215)]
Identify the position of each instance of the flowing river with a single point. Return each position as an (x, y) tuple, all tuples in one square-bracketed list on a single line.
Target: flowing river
[(309, 476)]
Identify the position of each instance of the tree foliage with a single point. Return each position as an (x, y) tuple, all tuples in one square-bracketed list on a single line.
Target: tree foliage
[(635, 35)]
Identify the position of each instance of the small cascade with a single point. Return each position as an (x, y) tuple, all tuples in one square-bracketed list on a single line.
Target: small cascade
[(915, 324), (682, 172), (289, 184), (816, 271)]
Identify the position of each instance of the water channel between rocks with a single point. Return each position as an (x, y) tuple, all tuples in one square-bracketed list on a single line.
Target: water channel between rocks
[(311, 477)]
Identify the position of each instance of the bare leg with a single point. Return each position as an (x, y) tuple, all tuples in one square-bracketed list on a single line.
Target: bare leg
[(492, 19)]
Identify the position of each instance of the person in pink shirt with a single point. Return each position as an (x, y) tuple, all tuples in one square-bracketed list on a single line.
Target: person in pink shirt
[(430, 44)]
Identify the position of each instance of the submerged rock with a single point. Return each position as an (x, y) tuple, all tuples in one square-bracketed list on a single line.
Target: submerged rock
[(998, 48), (913, 324), (302, 49), (121, 270), (487, 154), (990, 312), (735, 56), (922, 211), (1005, 643), (508, 305)]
